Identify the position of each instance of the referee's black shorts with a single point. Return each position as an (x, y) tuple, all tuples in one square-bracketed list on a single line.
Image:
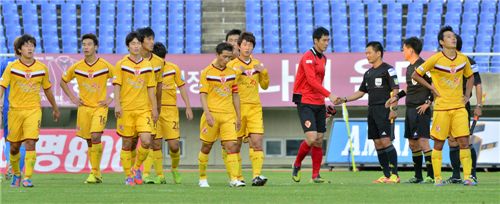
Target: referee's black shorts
[(416, 125), (312, 117), (379, 125)]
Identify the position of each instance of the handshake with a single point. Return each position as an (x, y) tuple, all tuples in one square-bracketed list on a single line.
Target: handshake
[(337, 100)]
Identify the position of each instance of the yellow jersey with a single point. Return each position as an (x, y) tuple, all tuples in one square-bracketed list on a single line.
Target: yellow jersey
[(219, 85), (25, 82), (249, 80), (171, 79), (447, 76), (91, 78), (157, 63), (134, 79)]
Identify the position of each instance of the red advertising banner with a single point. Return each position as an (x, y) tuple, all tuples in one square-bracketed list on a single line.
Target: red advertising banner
[(344, 73), (60, 151)]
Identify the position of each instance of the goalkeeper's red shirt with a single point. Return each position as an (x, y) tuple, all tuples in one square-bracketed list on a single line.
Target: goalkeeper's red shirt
[(309, 78)]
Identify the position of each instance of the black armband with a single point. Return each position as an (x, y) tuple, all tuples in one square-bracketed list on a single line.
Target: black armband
[(401, 94)]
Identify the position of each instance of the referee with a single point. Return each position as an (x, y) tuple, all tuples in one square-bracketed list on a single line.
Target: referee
[(378, 82), (418, 113)]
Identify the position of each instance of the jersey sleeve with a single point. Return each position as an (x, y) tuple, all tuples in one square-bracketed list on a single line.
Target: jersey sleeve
[(426, 66), (46, 80), (111, 70), (264, 79), (117, 74), (69, 74), (151, 77), (234, 87), (468, 69), (308, 64), (203, 82), (477, 78), (392, 78), (363, 86), (159, 73), (178, 78), (5, 80)]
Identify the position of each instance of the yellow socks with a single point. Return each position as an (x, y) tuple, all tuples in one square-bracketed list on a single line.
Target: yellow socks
[(133, 157), (142, 153), (176, 158), (437, 159), (158, 162), (240, 173), (98, 151), (126, 159), (148, 163), (14, 161), (202, 165), (233, 165), (224, 158), (466, 160), (29, 160), (257, 162)]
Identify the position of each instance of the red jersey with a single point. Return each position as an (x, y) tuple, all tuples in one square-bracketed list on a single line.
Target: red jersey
[(309, 78)]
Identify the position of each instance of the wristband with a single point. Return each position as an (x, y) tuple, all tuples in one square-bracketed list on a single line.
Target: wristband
[(401, 94)]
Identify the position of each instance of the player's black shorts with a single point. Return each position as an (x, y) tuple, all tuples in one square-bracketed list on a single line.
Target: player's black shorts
[(379, 125), (416, 125), (312, 117)]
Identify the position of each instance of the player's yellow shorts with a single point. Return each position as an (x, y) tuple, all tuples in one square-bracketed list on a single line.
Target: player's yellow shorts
[(24, 124), (168, 123), (223, 128), (133, 122), (251, 120), (449, 122), (90, 120)]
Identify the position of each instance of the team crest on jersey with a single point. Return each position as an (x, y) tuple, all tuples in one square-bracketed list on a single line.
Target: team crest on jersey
[(120, 127), (307, 124), (137, 72), (249, 72), (223, 78), (205, 130), (27, 74), (91, 74), (378, 81), (453, 70), (438, 128)]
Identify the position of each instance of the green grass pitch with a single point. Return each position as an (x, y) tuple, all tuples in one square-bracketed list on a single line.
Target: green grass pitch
[(345, 187)]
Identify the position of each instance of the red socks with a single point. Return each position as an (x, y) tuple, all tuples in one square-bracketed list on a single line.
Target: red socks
[(303, 150), (317, 157)]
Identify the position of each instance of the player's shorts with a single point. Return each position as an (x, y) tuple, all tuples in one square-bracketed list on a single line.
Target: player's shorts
[(24, 124), (90, 120), (450, 122), (168, 123), (416, 125), (134, 121), (251, 120), (379, 125), (312, 117), (223, 128)]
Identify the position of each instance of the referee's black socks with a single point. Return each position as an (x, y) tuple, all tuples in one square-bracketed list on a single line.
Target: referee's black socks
[(417, 163), (455, 161), (393, 158), (383, 159), (428, 163), (473, 156)]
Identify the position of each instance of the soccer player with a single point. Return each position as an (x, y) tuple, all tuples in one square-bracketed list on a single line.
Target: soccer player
[(25, 76), (135, 109), (168, 122), (157, 64), (232, 38), (5, 110), (221, 113), (92, 74), (454, 147), (418, 113), (252, 74), (379, 81), (311, 103), (447, 69)]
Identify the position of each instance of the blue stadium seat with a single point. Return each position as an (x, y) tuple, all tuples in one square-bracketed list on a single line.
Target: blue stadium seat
[(88, 17), (341, 44), (253, 22), (375, 23), (123, 25), (30, 21), (106, 44), (141, 15), (159, 21), (414, 20), (175, 27), (49, 28), (394, 27), (453, 12), (404, 1), (69, 35), (288, 27), (471, 6), (340, 27), (357, 39), (271, 31), (193, 27), (483, 43), (488, 10), (322, 14), (305, 25), (467, 43)]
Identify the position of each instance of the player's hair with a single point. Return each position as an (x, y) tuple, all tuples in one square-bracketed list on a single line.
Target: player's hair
[(233, 32), (92, 37), (25, 38), (131, 37), (414, 43), (146, 32), (15, 42), (377, 46), (223, 46), (247, 36), (159, 50), (459, 42), (319, 32), (442, 31)]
